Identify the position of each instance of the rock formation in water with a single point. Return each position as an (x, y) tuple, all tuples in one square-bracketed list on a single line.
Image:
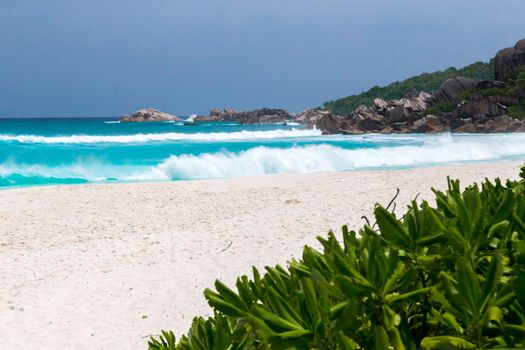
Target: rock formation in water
[(258, 116), (149, 115)]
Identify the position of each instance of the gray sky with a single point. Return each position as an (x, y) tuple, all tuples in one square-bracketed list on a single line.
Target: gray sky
[(107, 58)]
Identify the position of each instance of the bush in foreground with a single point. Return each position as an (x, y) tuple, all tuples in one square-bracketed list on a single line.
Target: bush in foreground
[(449, 277)]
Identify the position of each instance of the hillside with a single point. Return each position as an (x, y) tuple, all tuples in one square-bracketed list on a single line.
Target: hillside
[(425, 82)]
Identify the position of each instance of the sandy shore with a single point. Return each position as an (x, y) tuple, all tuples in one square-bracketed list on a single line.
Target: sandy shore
[(104, 266)]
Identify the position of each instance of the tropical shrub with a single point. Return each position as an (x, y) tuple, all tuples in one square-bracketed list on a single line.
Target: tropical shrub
[(440, 107), (517, 111), (445, 277)]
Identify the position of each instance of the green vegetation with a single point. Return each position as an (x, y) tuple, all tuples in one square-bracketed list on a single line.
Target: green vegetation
[(515, 87), (440, 107), (449, 277), (517, 111), (425, 82)]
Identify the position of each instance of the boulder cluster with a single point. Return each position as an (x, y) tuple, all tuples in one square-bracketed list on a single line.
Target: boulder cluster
[(403, 115), (258, 116), (474, 107)]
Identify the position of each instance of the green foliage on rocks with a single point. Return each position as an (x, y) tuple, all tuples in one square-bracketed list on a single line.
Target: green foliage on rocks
[(449, 276), (440, 107), (425, 82), (517, 111)]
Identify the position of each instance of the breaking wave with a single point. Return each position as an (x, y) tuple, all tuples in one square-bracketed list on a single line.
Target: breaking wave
[(263, 160), (171, 136), (267, 160)]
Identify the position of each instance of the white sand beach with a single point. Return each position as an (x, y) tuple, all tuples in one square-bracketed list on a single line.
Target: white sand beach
[(106, 266)]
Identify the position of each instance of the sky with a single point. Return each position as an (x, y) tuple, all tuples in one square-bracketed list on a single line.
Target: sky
[(100, 58)]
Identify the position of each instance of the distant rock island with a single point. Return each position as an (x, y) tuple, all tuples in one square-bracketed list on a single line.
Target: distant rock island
[(149, 115), (485, 97)]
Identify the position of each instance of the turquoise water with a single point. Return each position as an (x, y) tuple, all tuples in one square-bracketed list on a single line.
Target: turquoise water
[(68, 151)]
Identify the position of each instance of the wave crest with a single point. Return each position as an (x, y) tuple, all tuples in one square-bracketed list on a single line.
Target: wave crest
[(171, 136), (320, 158)]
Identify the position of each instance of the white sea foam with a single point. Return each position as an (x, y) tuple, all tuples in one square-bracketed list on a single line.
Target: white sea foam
[(171, 136), (191, 118), (112, 122), (264, 160)]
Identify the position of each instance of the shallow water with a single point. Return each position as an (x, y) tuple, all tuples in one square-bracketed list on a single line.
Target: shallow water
[(65, 151)]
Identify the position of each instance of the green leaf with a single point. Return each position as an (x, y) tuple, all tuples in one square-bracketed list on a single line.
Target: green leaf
[(446, 343), (352, 288), (468, 285), (246, 294), (498, 229), (519, 287), (492, 278), (430, 240), (294, 334), (392, 298), (514, 329), (493, 314), (310, 296), (166, 341), (393, 281), (391, 229), (260, 327), (346, 343), (220, 304), (275, 321), (381, 340), (230, 296), (281, 306), (448, 320)]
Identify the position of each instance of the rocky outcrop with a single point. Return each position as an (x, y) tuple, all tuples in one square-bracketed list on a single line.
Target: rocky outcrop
[(258, 116), (393, 114), (468, 127), (329, 124), (428, 124), (502, 123), (479, 106), (383, 117), (477, 114), (149, 115), (311, 117), (406, 109), (367, 119), (508, 60), (461, 104), (451, 89)]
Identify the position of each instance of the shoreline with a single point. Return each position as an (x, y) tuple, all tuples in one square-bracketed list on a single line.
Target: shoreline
[(106, 265)]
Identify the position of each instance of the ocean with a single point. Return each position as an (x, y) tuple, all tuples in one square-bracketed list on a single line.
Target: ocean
[(44, 151)]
